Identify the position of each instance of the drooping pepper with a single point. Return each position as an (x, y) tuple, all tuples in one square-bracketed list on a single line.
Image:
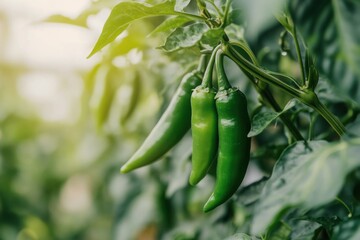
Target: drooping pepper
[(203, 126), (103, 94), (171, 127), (234, 145)]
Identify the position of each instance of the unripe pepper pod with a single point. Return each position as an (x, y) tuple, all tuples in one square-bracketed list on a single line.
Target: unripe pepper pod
[(234, 145), (171, 127), (203, 125), (204, 132)]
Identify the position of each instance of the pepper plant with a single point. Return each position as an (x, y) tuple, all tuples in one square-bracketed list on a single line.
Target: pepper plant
[(292, 93)]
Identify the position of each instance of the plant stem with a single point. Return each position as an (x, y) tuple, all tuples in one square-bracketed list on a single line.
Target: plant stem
[(226, 12), (248, 51), (216, 8), (189, 15), (260, 74), (223, 82), (299, 94), (207, 79), (285, 117), (202, 63), (333, 121), (269, 98), (298, 52)]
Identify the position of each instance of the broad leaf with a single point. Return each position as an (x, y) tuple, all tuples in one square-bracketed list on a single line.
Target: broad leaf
[(305, 176), (185, 37), (126, 12), (263, 119), (330, 29), (170, 24)]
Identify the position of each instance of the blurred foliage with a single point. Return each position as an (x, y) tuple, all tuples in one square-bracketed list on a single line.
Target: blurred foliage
[(60, 180)]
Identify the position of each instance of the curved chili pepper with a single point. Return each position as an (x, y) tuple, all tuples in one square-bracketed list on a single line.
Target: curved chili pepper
[(171, 127), (134, 98), (103, 94), (204, 132), (234, 145), (203, 125)]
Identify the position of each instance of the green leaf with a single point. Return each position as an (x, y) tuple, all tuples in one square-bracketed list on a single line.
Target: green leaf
[(234, 32), (337, 48), (304, 230), (212, 37), (305, 178), (286, 22), (235, 17), (348, 230), (58, 18), (181, 4), (170, 24), (185, 37), (240, 236), (251, 193), (263, 119), (123, 14), (282, 232)]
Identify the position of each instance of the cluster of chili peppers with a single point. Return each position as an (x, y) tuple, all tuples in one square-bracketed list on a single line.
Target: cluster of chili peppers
[(219, 121)]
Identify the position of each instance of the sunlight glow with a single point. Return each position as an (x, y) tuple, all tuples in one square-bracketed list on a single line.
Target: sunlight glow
[(51, 95)]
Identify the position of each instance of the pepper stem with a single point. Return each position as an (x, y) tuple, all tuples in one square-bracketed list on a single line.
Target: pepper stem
[(202, 64), (223, 82), (207, 79)]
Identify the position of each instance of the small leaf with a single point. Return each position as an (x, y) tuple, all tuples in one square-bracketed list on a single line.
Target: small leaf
[(263, 119), (123, 14), (181, 4), (212, 37), (286, 21), (305, 178), (185, 37), (170, 24)]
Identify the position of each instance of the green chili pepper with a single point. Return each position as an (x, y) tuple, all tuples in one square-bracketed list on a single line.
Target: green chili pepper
[(134, 98), (203, 126), (103, 95), (204, 132), (234, 145), (171, 127)]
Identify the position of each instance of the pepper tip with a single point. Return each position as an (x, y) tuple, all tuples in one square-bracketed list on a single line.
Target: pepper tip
[(124, 169), (210, 204), (193, 181)]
